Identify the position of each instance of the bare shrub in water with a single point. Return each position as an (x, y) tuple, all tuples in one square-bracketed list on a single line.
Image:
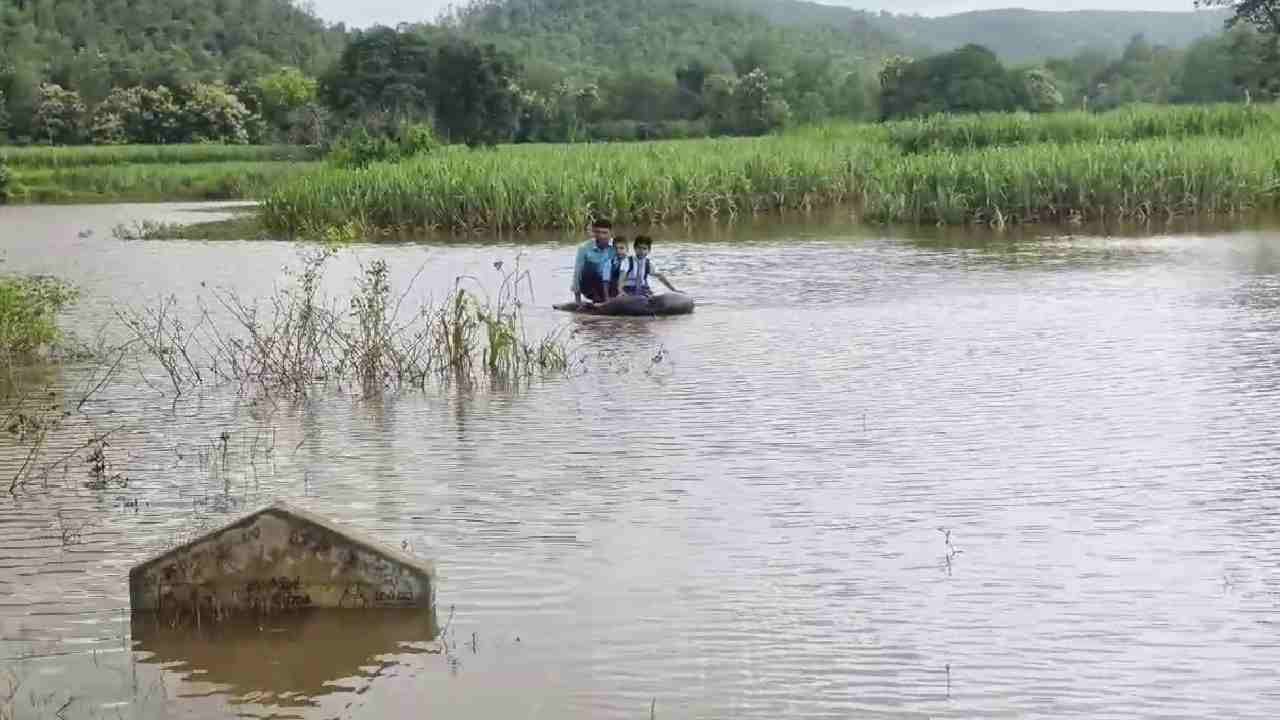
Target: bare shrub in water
[(296, 339), (286, 343), (167, 339)]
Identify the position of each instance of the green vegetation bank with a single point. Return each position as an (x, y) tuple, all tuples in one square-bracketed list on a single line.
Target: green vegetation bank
[(1138, 163)]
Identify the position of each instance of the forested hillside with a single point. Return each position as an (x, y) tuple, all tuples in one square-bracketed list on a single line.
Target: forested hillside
[(1015, 35), (93, 46), (180, 71), (593, 36), (664, 68)]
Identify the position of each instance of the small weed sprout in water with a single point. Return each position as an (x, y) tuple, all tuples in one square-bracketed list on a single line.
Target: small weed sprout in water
[(952, 552)]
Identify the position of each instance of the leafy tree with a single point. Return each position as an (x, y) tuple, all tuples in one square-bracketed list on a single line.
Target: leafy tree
[(1138, 50), (970, 79), (212, 113), (58, 115), (107, 128), (1209, 71), (201, 112), (20, 82), (6, 183), (1075, 76), (284, 92), (1262, 14), (1041, 90), (759, 110), (1143, 74), (853, 97), (719, 94), (382, 71), (138, 115), (691, 81), (645, 97), (4, 117), (761, 53), (1256, 64), (477, 99)]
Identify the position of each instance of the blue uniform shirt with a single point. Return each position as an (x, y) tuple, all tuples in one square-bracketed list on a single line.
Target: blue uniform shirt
[(601, 260)]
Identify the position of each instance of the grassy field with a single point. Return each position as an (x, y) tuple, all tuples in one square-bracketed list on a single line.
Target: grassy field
[(146, 182), (150, 172), (1161, 178), (1140, 163), (974, 132), (43, 157)]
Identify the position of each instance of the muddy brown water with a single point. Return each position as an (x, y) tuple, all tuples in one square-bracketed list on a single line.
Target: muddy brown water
[(742, 513)]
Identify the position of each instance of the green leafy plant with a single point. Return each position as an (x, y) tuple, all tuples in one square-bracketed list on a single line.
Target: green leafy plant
[(360, 147), (29, 307)]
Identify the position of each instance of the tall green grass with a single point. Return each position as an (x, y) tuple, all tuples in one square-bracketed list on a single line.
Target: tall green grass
[(37, 156), (1135, 180), (973, 132), (200, 181), (559, 186), (1138, 163)]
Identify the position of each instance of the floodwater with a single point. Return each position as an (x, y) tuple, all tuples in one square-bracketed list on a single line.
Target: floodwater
[(874, 476)]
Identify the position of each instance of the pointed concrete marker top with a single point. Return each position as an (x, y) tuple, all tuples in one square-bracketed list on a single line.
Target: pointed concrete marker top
[(277, 559)]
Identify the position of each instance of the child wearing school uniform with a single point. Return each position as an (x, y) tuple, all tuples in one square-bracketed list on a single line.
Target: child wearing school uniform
[(636, 270)]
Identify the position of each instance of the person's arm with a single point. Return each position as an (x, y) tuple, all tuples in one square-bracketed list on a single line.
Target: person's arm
[(575, 287), (653, 272)]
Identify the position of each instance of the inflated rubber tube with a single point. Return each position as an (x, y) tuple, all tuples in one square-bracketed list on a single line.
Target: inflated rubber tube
[(636, 306)]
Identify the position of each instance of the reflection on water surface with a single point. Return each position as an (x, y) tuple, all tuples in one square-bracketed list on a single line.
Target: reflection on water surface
[(876, 475)]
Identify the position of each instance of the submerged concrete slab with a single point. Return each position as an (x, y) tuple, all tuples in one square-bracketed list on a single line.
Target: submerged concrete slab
[(307, 654), (279, 559)]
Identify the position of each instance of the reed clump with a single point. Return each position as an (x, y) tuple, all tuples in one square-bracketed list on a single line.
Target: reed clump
[(1134, 163)]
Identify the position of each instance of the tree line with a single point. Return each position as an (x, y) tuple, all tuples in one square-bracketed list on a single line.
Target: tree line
[(221, 72), (1241, 65)]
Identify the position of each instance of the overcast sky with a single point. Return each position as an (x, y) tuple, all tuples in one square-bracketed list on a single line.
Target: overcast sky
[(390, 12)]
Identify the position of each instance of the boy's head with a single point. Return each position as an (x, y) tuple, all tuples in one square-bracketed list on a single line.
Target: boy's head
[(601, 231), (644, 244), (620, 245)]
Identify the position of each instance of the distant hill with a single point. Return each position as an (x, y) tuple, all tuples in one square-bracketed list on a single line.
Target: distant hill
[(1017, 36)]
